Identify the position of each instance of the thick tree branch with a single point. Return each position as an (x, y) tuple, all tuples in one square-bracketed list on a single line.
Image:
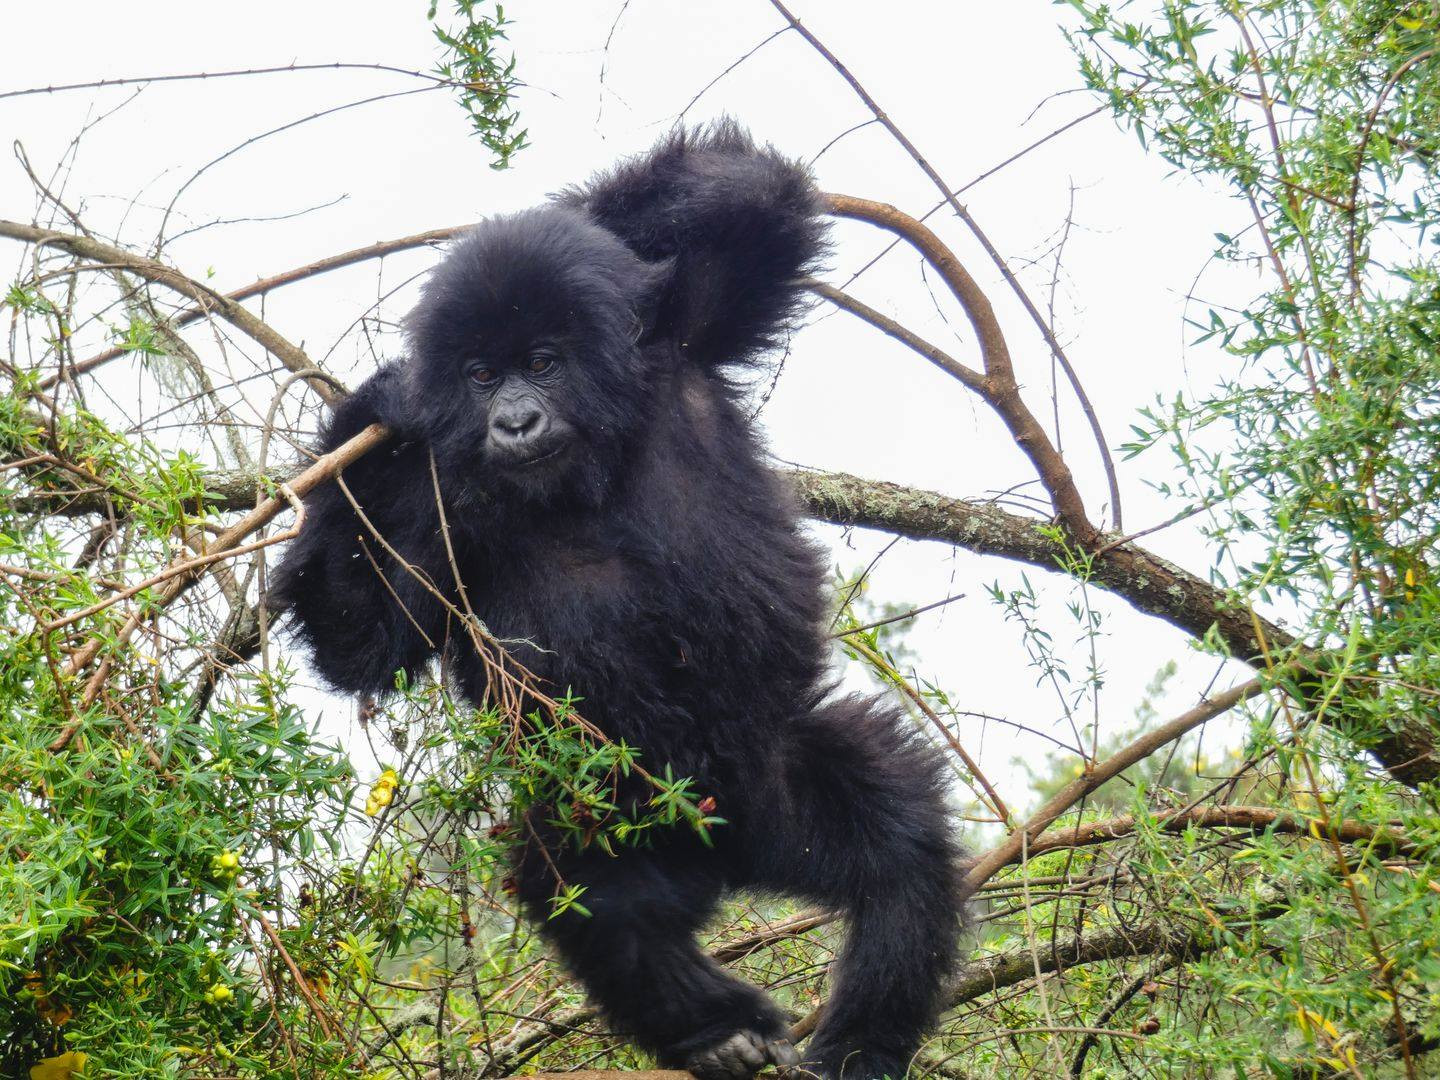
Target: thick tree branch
[(1024, 963), (1146, 581)]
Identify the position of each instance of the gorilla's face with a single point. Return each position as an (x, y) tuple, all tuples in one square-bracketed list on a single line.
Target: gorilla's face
[(526, 376), (526, 423)]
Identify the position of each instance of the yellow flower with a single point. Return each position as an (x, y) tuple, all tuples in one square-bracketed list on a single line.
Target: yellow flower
[(58, 1068), (225, 865), (382, 792)]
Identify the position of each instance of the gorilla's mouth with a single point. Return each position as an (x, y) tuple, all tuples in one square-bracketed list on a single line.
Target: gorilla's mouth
[(538, 459)]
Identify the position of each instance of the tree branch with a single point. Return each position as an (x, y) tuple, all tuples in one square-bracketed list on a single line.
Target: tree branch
[(264, 285), (998, 387), (1146, 581), (325, 468), (1022, 963), (292, 356), (1016, 845), (948, 196), (1254, 818), (903, 334)]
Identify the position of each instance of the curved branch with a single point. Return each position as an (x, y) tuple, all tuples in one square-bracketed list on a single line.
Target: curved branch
[(93, 251), (998, 388), (948, 196), (264, 285)]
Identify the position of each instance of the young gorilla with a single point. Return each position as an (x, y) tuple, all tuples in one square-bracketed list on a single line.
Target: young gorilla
[(607, 500)]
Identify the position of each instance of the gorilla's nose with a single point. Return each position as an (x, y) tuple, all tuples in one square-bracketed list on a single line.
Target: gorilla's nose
[(514, 427)]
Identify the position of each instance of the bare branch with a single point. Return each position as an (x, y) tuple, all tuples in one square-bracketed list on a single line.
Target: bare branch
[(265, 285), (236, 315), (1046, 330), (888, 326), (338, 65), (998, 387), (1014, 846), (1144, 580)]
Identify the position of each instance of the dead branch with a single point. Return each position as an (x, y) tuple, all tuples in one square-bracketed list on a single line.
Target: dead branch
[(195, 76), (265, 285), (93, 251)]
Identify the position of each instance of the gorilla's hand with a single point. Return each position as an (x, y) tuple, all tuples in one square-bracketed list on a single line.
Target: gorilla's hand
[(383, 398), (741, 1056), (736, 224), (364, 614)]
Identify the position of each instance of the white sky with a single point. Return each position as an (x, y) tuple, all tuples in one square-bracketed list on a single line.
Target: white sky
[(969, 82)]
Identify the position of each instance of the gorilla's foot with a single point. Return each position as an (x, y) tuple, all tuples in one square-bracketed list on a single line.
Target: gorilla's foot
[(740, 1056)]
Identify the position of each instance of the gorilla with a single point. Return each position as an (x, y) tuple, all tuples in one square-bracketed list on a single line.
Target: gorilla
[(574, 371)]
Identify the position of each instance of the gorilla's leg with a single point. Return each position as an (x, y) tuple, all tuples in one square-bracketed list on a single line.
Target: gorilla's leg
[(861, 824), (636, 955)]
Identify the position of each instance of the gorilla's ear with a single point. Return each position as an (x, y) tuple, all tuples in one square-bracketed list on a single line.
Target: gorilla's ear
[(737, 225), (653, 295)]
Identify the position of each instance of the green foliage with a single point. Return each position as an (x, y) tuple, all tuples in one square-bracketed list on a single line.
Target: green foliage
[(1312, 464), (485, 79), (192, 880)]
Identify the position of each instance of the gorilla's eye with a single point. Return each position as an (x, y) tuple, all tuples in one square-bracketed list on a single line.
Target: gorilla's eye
[(482, 374), (540, 363)]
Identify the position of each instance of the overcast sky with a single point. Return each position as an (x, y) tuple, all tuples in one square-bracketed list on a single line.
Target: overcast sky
[(970, 83)]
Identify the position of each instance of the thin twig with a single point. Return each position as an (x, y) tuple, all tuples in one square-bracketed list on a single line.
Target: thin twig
[(232, 312), (1046, 332)]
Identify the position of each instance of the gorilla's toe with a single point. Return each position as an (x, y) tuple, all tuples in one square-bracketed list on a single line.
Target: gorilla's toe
[(741, 1056)]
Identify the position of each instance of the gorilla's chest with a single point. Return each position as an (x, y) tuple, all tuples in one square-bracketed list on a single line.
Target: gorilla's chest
[(569, 610)]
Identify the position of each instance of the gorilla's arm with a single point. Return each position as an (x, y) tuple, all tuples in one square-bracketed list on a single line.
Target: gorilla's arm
[(740, 224), (361, 628)]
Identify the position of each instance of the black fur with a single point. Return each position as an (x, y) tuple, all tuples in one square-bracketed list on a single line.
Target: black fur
[(612, 506)]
